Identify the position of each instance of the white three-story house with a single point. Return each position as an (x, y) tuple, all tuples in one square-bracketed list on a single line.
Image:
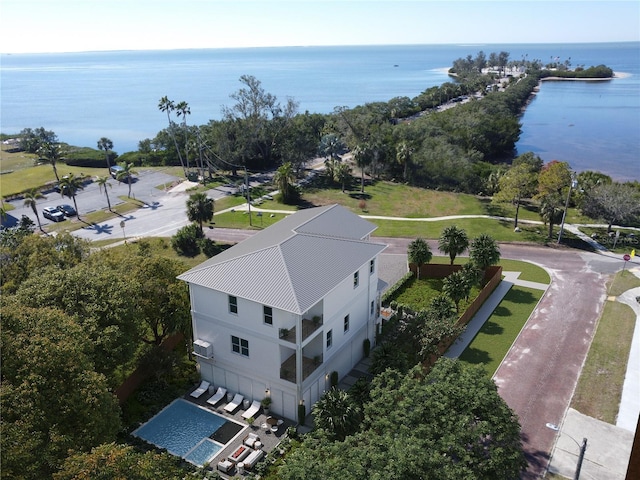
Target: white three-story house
[(276, 314)]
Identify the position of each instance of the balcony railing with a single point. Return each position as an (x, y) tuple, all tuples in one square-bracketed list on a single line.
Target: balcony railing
[(308, 328), (309, 365)]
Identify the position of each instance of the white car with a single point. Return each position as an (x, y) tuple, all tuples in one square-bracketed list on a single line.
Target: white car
[(53, 214)]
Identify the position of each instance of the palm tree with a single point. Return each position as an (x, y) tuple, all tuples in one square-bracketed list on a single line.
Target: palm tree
[(69, 185), (484, 251), (182, 110), (362, 154), (330, 146), (403, 156), (166, 105), (127, 174), (105, 144), (550, 211), (419, 253), (453, 241), (456, 287), (200, 209), (341, 173), (30, 199), (103, 182), (284, 179), (52, 153), (337, 414)]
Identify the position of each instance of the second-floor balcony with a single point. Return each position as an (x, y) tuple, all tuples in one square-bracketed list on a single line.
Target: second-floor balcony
[(309, 365), (309, 326)]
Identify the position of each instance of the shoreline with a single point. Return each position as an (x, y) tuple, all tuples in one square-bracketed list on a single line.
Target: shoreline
[(594, 79)]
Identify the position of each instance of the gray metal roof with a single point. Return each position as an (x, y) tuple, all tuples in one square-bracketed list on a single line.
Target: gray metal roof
[(294, 263)]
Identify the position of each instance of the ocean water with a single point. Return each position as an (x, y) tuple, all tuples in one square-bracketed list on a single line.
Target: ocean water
[(85, 96)]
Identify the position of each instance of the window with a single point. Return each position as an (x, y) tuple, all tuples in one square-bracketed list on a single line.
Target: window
[(240, 345), (233, 304), (329, 338), (356, 279), (346, 323), (372, 266), (268, 315)]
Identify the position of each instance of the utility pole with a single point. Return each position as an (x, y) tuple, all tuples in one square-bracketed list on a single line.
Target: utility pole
[(246, 184)]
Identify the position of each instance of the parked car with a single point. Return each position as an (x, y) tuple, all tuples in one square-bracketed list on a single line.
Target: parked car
[(53, 214), (115, 171), (67, 210)]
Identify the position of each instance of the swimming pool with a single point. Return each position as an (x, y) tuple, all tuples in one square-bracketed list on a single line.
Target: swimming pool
[(183, 428)]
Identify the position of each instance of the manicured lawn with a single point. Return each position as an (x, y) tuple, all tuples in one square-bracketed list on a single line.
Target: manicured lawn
[(494, 339), (399, 200), (501, 231), (418, 294), (599, 389), (529, 271), (623, 281)]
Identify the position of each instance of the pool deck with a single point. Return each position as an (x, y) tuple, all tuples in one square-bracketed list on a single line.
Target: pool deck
[(268, 438)]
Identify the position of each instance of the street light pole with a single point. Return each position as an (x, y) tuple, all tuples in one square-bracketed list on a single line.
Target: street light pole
[(583, 448), (572, 185)]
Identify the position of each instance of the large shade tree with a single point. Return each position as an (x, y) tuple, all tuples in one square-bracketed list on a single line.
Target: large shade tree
[(53, 401), (517, 183), (445, 425), (261, 122), (553, 181), (99, 298), (111, 461), (613, 202), (162, 301)]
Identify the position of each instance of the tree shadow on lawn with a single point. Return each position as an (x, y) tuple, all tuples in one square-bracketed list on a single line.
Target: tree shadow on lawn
[(476, 356), (492, 328), (516, 295)]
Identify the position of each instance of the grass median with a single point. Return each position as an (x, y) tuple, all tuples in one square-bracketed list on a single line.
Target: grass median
[(599, 388), (501, 329)]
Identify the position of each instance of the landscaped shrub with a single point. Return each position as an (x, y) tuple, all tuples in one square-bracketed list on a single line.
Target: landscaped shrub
[(391, 293), (186, 241), (334, 379)]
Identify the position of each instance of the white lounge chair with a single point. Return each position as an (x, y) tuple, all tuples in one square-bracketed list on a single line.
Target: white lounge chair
[(216, 397), (204, 386), (252, 410), (233, 404)]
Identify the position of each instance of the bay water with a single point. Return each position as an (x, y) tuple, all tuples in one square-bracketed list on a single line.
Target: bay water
[(85, 96)]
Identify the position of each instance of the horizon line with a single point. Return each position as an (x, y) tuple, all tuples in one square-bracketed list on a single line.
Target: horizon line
[(458, 44)]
